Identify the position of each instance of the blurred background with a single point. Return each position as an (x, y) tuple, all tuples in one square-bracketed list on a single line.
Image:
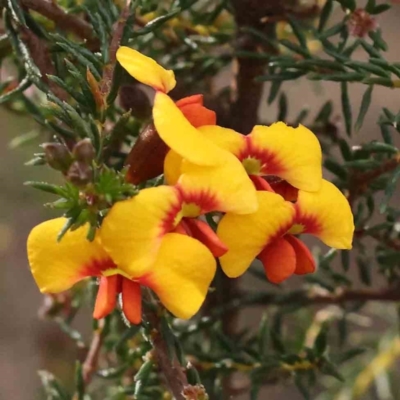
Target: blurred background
[(28, 343)]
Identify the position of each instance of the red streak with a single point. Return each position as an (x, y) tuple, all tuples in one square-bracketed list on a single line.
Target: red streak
[(270, 163)]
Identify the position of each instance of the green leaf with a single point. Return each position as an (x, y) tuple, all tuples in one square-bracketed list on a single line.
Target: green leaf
[(369, 7), (275, 86), (325, 113), (365, 103), (301, 386), (283, 107), (377, 38), (79, 382), (364, 270), (298, 31), (337, 169), (380, 8), (386, 135), (346, 107), (52, 388), (168, 337), (390, 189), (345, 150), (295, 48), (17, 12), (376, 147), (22, 86), (129, 333), (349, 354), (144, 371), (46, 187), (156, 23), (328, 368), (284, 76), (263, 337), (325, 14), (345, 256), (321, 340)]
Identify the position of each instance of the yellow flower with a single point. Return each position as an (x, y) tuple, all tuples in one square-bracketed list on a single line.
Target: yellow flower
[(204, 166), (268, 233), (180, 275)]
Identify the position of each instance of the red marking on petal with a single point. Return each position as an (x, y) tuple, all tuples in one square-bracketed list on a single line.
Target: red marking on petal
[(310, 222), (106, 296), (261, 184), (169, 221), (270, 163), (203, 233), (204, 199), (285, 189), (132, 301), (305, 263), (96, 267), (279, 260)]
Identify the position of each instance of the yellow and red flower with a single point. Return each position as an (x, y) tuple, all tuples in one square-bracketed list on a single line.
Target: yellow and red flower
[(278, 151), (269, 233), (204, 166), (180, 275)]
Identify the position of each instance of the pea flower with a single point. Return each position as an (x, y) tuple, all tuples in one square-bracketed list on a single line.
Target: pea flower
[(180, 274), (205, 167), (269, 233), (289, 158)]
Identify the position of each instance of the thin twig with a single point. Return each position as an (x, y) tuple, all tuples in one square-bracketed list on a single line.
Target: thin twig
[(40, 54), (118, 30), (92, 358), (360, 181), (67, 22), (171, 369)]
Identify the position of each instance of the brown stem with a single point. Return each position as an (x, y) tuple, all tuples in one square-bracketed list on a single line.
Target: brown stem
[(90, 364), (41, 56), (171, 369), (67, 22), (118, 30), (391, 294), (360, 181)]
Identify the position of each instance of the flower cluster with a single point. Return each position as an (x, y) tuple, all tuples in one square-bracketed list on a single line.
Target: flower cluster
[(265, 188)]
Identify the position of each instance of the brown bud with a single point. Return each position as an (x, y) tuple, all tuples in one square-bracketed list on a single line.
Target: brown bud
[(146, 158), (361, 22), (96, 92), (57, 156), (80, 173), (84, 151), (133, 98)]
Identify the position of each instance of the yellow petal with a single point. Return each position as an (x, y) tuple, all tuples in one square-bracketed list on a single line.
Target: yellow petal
[(181, 136), (56, 266), (225, 187), (293, 154), (182, 274), (247, 235), (132, 230), (172, 167), (227, 139), (327, 215), (145, 69)]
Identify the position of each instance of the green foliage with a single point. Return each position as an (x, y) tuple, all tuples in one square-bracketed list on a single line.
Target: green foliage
[(73, 96)]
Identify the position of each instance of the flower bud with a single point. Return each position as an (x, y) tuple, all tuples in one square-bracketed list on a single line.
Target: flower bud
[(84, 151), (146, 158), (133, 98), (361, 22), (57, 156), (80, 173)]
